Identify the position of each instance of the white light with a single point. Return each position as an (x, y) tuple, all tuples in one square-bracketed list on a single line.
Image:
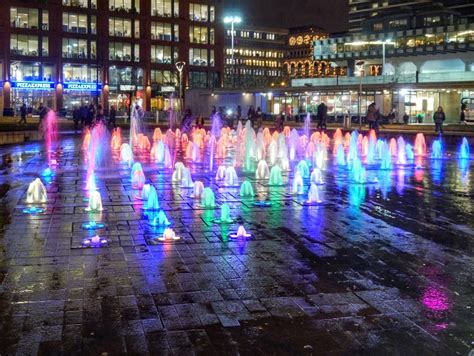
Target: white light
[(232, 19), (270, 94), (229, 112), (404, 92)]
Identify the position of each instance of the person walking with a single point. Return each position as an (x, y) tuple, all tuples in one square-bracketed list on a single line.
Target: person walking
[(113, 117), (406, 118), (371, 116), (438, 118), (321, 115), (83, 112), (76, 117), (251, 114), (23, 113), (238, 113), (42, 111), (90, 115)]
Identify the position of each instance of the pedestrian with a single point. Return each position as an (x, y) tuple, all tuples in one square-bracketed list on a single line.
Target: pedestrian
[(321, 115), (83, 113), (406, 118), (238, 113), (23, 113), (438, 118), (76, 117), (251, 114), (213, 111), (279, 121), (371, 116), (113, 116), (42, 111), (90, 115), (462, 116)]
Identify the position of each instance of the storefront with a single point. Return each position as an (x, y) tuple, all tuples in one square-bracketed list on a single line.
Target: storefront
[(32, 93), (78, 94)]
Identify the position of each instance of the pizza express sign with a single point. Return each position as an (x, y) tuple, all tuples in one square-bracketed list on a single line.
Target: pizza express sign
[(33, 85), (83, 86)]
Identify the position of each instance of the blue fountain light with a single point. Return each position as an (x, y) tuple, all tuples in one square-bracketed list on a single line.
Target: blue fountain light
[(93, 225), (33, 210)]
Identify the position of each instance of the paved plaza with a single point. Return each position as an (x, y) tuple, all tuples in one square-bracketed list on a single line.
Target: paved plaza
[(383, 268)]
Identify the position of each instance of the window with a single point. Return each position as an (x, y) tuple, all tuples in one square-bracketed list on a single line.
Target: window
[(270, 36), (93, 24), (200, 13), (45, 20), (162, 8), (20, 71), (432, 20), (198, 34), (176, 33), (161, 31), (136, 52), (24, 45), (119, 27), (79, 73), (75, 23), (198, 57), (125, 75), (136, 28), (74, 48), (81, 3), (93, 50), (128, 6), (44, 46), (198, 79), (164, 77), (211, 58), (119, 51), (23, 17), (398, 23), (161, 54), (378, 26)]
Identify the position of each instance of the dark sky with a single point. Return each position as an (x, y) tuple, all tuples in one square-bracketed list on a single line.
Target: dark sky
[(328, 14)]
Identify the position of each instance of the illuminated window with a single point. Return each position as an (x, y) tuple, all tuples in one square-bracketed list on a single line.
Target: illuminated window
[(164, 77), (79, 73), (119, 51), (164, 8), (161, 31), (198, 57), (22, 17), (119, 27), (80, 3), (74, 23), (74, 48), (44, 46), (128, 6), (24, 45), (198, 34), (161, 54), (201, 13)]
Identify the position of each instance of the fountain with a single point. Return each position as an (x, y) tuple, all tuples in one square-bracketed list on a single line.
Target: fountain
[(298, 185), (262, 170), (178, 172), (436, 150), (167, 160), (358, 172), (50, 130), (272, 153), (307, 124), (240, 234), (137, 176), (303, 168), (276, 178), (95, 241), (95, 202), (313, 195), (420, 145), (230, 178), (409, 152), (340, 156), (48, 173), (169, 235), (93, 225), (401, 154), (386, 158), (293, 142), (464, 151), (90, 182), (187, 180), (208, 200), (145, 192), (285, 164), (157, 152), (36, 193), (246, 190), (136, 124), (220, 174), (116, 141), (198, 189), (225, 215), (158, 219), (152, 202), (126, 154), (317, 177)]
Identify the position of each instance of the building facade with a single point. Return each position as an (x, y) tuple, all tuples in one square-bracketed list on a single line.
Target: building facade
[(67, 52), (411, 62), (258, 57)]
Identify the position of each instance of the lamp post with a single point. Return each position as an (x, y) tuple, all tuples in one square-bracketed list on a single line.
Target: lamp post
[(180, 66), (232, 20), (360, 68)]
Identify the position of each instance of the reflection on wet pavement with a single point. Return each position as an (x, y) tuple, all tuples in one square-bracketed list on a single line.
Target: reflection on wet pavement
[(376, 268)]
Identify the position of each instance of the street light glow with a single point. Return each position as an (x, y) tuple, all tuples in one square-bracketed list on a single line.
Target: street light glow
[(232, 19)]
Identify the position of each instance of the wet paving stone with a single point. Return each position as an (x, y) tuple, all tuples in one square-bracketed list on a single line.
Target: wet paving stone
[(383, 268)]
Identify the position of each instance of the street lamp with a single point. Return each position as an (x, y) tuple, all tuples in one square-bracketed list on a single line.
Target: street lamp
[(360, 69), (180, 66), (232, 20)]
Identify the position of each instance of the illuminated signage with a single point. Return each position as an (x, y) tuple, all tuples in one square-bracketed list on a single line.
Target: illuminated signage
[(168, 89), (33, 85), (83, 86), (127, 87)]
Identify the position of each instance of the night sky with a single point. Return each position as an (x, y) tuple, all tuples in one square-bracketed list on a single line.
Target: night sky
[(328, 14)]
